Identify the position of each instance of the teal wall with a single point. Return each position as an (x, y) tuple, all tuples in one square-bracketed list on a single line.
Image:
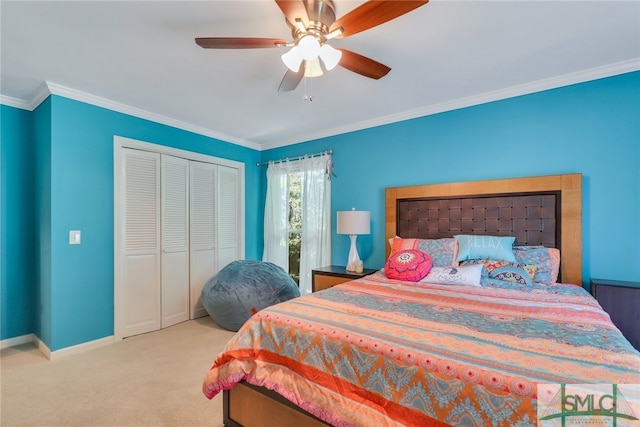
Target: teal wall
[(62, 154), (592, 128), (67, 295), (18, 234)]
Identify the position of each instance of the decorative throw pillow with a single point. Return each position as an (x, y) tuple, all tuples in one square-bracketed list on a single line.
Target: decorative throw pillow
[(442, 251), (455, 275), (399, 244), (547, 261), (504, 270), (410, 265), (488, 264), (485, 247), (518, 273)]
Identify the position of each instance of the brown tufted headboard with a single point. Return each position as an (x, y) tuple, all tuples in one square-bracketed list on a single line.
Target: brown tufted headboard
[(543, 210)]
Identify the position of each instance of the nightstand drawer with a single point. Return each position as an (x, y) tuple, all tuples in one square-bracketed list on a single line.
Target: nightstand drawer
[(323, 282), (326, 277)]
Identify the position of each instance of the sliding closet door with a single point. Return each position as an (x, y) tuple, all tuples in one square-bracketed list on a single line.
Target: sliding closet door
[(203, 231), (140, 297), (175, 239)]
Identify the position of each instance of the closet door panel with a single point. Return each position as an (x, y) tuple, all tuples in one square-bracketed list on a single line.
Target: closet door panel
[(175, 240), (228, 218), (203, 268), (140, 290), (142, 307), (203, 231)]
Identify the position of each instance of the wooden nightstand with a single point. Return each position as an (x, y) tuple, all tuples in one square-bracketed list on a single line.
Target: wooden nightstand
[(326, 277), (621, 300)]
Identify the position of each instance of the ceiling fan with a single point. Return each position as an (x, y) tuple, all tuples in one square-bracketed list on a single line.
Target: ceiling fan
[(313, 23)]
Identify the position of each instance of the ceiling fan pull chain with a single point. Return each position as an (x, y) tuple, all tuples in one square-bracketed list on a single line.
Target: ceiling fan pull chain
[(309, 96)]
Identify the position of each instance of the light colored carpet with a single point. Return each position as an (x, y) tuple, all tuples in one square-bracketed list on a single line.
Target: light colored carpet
[(153, 379)]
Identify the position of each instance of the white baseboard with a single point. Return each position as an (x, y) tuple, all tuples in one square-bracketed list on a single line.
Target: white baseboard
[(42, 347), (52, 355), (15, 341), (81, 348)]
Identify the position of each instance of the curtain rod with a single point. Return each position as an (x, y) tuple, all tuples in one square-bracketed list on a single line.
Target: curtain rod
[(295, 158)]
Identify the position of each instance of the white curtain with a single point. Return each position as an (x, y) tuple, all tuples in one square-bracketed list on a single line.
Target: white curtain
[(276, 216), (315, 250)]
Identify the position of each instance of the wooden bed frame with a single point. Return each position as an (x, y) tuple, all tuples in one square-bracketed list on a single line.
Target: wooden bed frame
[(537, 210), (529, 227)]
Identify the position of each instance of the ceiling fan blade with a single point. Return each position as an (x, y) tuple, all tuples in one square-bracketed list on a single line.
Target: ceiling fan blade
[(238, 42), (362, 65), (294, 9), (373, 13), (291, 79)]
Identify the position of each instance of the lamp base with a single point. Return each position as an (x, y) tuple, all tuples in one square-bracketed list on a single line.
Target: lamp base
[(353, 262)]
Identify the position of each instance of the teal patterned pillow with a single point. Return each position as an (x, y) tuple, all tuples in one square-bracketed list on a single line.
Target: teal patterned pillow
[(515, 273), (546, 259), (441, 251), (507, 271)]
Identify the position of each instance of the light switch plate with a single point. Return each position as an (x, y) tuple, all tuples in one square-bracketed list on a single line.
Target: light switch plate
[(74, 237)]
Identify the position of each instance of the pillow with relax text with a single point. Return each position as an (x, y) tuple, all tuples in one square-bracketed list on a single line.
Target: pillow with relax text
[(485, 247)]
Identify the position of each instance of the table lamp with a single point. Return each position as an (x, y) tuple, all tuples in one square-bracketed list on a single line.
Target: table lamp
[(354, 222)]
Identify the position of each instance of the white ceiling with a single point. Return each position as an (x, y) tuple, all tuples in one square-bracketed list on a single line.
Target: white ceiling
[(141, 57)]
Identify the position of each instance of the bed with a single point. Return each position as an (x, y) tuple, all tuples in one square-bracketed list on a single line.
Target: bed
[(386, 352)]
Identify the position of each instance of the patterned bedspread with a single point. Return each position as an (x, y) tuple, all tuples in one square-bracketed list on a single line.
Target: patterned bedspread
[(380, 352)]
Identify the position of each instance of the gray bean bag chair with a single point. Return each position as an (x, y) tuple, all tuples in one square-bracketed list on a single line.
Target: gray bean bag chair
[(243, 288)]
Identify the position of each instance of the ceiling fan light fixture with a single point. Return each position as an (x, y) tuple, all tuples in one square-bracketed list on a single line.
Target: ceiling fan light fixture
[(292, 59), (330, 56), (309, 47), (312, 68)]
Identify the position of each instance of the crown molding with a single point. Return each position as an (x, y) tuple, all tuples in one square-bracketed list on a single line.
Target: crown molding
[(27, 104), (87, 98), (49, 88), (14, 102), (510, 92)]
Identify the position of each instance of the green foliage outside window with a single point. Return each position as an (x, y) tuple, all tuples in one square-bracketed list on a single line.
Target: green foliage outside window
[(295, 226)]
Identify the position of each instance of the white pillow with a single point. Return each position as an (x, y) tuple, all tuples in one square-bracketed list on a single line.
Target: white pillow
[(463, 275)]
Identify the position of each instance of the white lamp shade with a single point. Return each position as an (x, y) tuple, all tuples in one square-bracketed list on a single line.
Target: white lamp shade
[(354, 222), (309, 47), (330, 56), (292, 59), (312, 68)]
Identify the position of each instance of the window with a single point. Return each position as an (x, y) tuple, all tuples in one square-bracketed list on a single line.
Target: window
[(297, 226)]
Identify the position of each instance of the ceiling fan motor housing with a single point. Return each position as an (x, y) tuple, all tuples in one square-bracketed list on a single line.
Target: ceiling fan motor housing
[(321, 15)]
